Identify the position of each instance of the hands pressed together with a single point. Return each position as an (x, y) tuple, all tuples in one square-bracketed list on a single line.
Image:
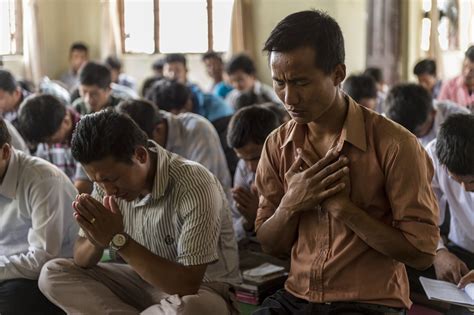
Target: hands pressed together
[(325, 183), (99, 221)]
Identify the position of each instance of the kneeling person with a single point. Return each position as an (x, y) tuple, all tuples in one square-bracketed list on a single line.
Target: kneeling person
[(166, 217)]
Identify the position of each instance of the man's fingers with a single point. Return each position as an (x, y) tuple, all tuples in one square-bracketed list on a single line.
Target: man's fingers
[(334, 177), (468, 278), (297, 165), (331, 159), (113, 205), (332, 191), (83, 212)]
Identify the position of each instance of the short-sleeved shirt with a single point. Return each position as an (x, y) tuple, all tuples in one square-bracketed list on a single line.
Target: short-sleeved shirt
[(456, 91), (390, 175), (186, 218)]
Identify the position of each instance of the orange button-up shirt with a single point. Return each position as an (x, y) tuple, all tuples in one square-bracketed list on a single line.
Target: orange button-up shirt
[(390, 175)]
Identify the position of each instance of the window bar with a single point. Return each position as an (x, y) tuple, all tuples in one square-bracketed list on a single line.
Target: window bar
[(210, 35), (156, 14)]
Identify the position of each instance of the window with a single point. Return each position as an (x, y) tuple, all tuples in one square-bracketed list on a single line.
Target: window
[(10, 27), (448, 24), (166, 26)]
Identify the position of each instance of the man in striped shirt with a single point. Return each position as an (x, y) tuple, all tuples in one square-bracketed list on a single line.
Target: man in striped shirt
[(165, 216)]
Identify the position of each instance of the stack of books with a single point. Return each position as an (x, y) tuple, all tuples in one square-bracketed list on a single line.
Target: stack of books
[(260, 282)]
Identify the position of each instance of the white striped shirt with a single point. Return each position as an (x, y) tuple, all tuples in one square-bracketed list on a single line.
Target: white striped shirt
[(185, 219)]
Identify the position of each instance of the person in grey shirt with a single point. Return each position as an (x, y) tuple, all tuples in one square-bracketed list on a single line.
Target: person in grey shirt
[(36, 225), (412, 106)]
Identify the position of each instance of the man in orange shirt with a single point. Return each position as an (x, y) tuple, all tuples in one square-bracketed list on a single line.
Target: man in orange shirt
[(346, 190)]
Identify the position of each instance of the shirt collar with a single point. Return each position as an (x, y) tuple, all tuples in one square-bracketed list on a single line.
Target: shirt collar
[(174, 138), (353, 130), (160, 183), (10, 181)]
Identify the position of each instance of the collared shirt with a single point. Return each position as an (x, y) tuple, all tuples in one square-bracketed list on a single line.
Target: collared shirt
[(443, 110), (82, 108), (390, 175), (461, 203), (264, 93), (185, 219), (221, 89), (244, 178), (60, 153), (36, 222), (17, 140), (196, 139), (455, 90)]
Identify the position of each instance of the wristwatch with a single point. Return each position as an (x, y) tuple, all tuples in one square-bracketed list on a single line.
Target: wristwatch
[(119, 240)]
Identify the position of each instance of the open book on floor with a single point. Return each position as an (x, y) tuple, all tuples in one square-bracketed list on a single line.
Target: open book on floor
[(444, 291)]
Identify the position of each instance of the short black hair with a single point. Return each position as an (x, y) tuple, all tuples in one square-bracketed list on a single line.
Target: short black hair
[(314, 29), (469, 54), (181, 58), (143, 112), (79, 46), (376, 73), (211, 55), (409, 105), (106, 134), (4, 134), (360, 86), (169, 95), (113, 63), (425, 66), (148, 83), (455, 144), (240, 62), (7, 81), (251, 125), (41, 117), (94, 73)]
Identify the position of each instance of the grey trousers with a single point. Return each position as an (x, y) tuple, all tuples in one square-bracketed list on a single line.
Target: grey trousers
[(110, 288)]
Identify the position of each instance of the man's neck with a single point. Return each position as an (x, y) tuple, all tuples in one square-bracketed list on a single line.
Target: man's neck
[(332, 121)]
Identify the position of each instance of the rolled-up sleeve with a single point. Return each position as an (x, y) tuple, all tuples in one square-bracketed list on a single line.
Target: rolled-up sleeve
[(409, 172)]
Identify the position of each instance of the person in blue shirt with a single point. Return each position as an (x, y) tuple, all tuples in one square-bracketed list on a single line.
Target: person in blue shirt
[(215, 69)]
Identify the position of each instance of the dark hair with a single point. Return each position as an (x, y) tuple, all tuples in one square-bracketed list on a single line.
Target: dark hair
[(4, 134), (312, 28), (359, 87), (470, 53), (144, 113), (7, 81), (169, 95), (251, 124), (175, 58), (148, 83), (278, 110), (41, 117), (455, 144), (211, 55), (79, 46), (113, 63), (240, 62), (425, 66), (376, 73), (95, 74), (409, 105), (106, 134), (158, 64)]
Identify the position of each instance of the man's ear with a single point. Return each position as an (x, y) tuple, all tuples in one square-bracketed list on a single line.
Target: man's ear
[(5, 152), (339, 74), (141, 154)]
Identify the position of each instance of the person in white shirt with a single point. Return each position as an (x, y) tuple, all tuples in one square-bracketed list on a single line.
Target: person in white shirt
[(36, 225), (412, 106), (453, 183), (17, 140)]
